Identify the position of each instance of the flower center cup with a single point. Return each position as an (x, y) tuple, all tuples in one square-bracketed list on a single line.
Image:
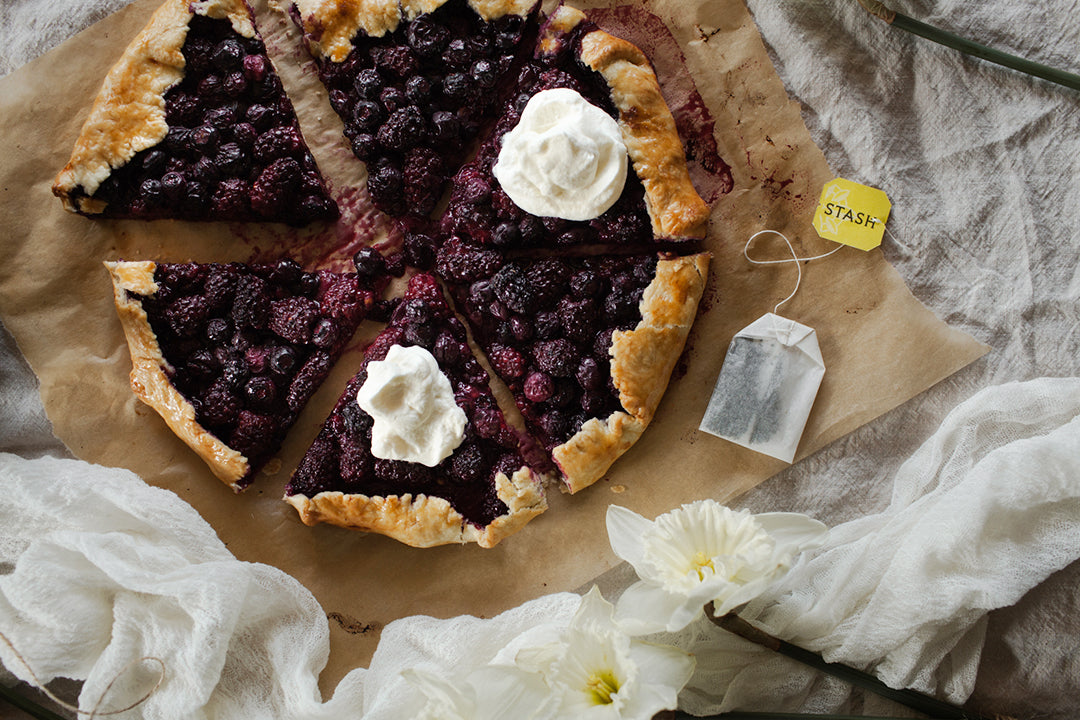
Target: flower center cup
[(601, 686)]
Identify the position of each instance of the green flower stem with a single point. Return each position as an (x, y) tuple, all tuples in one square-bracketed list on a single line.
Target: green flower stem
[(28, 706), (911, 698), (968, 47)]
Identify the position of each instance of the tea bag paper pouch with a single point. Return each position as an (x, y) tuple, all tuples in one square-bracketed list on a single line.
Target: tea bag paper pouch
[(766, 387)]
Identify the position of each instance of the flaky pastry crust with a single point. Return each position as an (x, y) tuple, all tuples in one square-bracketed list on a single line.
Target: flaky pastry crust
[(642, 360), (128, 115), (148, 373), (647, 126), (426, 521)]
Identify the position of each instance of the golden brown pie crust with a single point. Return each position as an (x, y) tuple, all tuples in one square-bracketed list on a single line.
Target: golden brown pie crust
[(425, 521), (148, 378), (641, 363), (129, 113)]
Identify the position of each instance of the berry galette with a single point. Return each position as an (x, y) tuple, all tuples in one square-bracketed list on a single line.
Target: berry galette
[(192, 123), (414, 83), (229, 354), (586, 345), (417, 448), (586, 152)]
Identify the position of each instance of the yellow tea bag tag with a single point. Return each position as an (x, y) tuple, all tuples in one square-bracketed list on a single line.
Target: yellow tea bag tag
[(852, 214)]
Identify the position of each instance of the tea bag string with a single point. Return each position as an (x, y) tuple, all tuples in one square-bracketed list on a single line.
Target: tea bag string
[(95, 711), (794, 259)]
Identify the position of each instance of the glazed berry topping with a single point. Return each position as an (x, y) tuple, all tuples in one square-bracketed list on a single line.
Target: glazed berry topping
[(249, 344), (430, 84), (546, 326), (340, 458)]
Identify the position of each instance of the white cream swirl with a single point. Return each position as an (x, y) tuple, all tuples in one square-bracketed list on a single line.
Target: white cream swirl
[(412, 404), (565, 158)]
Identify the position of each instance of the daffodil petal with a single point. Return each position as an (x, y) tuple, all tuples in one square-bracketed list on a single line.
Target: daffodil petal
[(507, 692), (625, 532), (643, 609), (793, 532)]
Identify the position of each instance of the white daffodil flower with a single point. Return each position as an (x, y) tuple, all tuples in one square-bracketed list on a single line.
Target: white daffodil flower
[(702, 552), (486, 693), (597, 672)]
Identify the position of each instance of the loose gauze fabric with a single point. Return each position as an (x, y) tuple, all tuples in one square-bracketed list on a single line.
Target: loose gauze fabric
[(99, 570), (766, 388), (984, 511)]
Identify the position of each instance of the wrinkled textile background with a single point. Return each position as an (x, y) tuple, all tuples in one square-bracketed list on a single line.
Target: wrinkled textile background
[(982, 165)]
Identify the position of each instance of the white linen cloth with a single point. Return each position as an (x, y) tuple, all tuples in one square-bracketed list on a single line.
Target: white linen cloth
[(102, 569)]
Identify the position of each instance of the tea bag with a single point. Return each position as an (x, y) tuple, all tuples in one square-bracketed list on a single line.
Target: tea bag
[(766, 387)]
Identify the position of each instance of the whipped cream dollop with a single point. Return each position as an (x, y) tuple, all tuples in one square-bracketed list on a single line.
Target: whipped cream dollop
[(565, 158), (412, 404)]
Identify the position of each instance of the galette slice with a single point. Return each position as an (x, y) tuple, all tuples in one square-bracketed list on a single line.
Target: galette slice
[(585, 153), (586, 345), (416, 447), (192, 123), (414, 82), (229, 354)]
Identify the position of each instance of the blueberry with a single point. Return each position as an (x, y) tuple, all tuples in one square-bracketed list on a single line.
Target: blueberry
[(426, 37), (484, 73), (538, 387), (365, 146), (282, 360), (150, 191), (228, 55), (235, 85), (325, 334), (418, 89), (205, 139), (260, 392), (210, 87), (173, 185), (393, 99), (367, 115), (154, 162), (369, 263), (230, 159), (446, 126), (456, 54), (457, 86)]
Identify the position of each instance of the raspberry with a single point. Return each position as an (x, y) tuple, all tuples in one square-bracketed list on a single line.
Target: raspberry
[(507, 362), (460, 263), (404, 129), (275, 186), (187, 315), (343, 298), (308, 379), (255, 435), (277, 143), (423, 179), (556, 357), (292, 318), (578, 318), (251, 304), (468, 465)]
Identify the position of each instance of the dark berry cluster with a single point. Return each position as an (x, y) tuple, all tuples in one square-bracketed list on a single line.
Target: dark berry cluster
[(250, 344), (413, 99), (341, 459), (482, 212), (546, 326), (233, 149)]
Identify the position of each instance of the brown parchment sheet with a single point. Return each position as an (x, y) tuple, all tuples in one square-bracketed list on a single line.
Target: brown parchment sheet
[(880, 345)]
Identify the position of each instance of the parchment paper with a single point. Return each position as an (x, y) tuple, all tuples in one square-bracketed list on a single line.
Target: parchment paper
[(880, 346)]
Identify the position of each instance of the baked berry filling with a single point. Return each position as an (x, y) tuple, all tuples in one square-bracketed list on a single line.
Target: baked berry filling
[(481, 212), (414, 99), (248, 345), (233, 150), (340, 459), (546, 327)]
